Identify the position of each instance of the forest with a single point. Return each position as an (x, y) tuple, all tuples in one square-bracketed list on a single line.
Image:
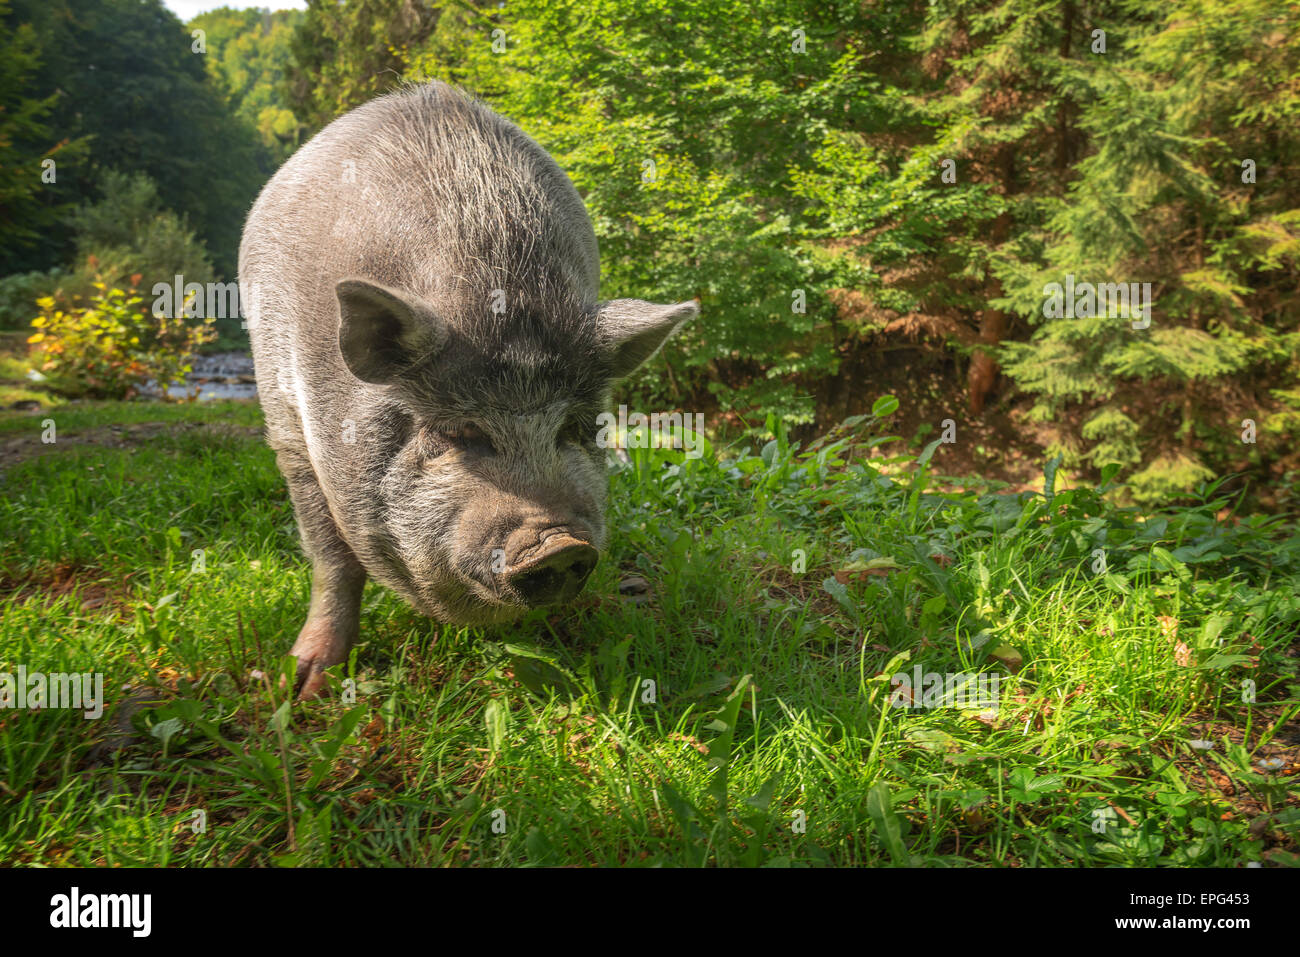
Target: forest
[(864, 197), (981, 551)]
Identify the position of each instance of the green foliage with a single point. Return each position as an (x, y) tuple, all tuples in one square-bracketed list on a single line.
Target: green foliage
[(925, 169), (19, 292), (1182, 98), (680, 129), (127, 237), (738, 715), (347, 53), (128, 79), (840, 184), (29, 206), (129, 232), (248, 55), (112, 344)]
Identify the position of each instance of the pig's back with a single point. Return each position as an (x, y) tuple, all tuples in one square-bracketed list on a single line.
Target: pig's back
[(415, 188), (424, 189)]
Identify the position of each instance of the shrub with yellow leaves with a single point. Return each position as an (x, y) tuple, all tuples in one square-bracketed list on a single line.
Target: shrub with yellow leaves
[(111, 344)]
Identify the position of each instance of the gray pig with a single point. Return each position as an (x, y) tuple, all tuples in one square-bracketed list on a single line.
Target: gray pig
[(420, 285)]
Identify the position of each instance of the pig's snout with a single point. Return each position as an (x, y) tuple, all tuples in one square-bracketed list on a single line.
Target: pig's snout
[(556, 574)]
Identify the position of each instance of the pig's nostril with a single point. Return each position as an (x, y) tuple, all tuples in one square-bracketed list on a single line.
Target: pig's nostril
[(557, 577), (540, 586)]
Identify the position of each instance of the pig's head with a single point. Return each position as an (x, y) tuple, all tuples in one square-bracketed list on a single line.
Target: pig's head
[(494, 498)]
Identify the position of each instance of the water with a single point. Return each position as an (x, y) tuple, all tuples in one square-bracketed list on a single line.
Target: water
[(221, 375)]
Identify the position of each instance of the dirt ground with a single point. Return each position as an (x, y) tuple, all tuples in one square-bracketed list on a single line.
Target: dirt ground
[(28, 445)]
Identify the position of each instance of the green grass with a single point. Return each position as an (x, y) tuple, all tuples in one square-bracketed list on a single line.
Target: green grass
[(88, 414), (14, 384), (738, 715)]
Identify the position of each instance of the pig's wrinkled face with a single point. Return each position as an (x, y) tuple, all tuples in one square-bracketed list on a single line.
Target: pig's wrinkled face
[(495, 502), (495, 510)]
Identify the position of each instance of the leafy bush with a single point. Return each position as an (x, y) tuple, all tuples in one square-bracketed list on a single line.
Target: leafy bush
[(852, 187), (19, 292), (129, 231), (126, 233), (671, 144), (113, 344)]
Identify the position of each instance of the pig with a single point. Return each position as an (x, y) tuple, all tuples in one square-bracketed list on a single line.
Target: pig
[(420, 285)]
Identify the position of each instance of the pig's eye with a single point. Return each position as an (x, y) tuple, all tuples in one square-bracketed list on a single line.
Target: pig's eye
[(470, 436), (575, 431)]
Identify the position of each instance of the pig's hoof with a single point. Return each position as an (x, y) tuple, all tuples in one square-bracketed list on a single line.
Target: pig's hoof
[(318, 647)]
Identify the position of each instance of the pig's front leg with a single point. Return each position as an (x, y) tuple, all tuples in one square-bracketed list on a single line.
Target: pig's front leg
[(337, 580), (333, 621)]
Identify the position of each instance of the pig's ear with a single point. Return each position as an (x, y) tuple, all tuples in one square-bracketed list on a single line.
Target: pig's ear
[(634, 330), (383, 332)]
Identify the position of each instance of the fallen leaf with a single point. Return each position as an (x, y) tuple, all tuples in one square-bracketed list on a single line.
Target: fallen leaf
[(931, 739), (687, 739), (859, 569), (1010, 658), (1122, 813)]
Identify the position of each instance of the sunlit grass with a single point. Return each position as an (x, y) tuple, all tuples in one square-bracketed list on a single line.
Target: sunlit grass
[(737, 713)]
